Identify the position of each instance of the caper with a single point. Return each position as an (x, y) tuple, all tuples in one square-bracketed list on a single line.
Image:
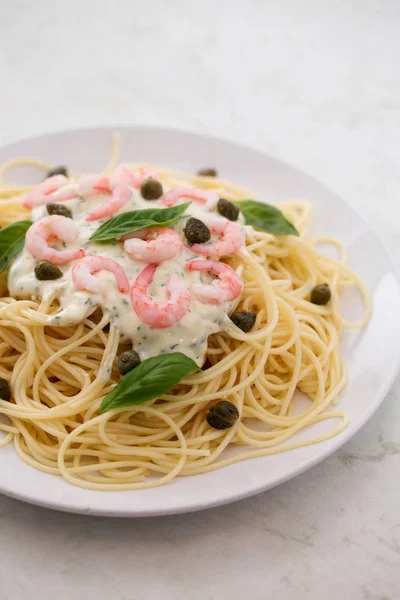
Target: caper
[(208, 172), (45, 270), (321, 294), (244, 320), (196, 232), (60, 170), (151, 189), (127, 361), (59, 209), (5, 390), (222, 415), (228, 209)]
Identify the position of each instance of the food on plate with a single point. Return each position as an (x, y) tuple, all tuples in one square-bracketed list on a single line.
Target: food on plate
[(150, 320)]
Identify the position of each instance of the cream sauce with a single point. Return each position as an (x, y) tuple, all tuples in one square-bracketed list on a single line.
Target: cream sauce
[(189, 335)]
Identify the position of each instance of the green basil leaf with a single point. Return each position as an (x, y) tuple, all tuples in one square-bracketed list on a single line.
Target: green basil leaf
[(152, 378), (266, 217), (138, 219), (12, 239)]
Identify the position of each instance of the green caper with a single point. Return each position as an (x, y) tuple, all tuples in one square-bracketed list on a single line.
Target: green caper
[(45, 270), (196, 232), (222, 415), (5, 390), (244, 320), (151, 189), (127, 361), (208, 172), (59, 209), (321, 294), (60, 170), (228, 209)]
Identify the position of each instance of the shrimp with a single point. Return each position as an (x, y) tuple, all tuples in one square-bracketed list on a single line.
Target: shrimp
[(161, 244), (197, 194), (92, 184), (40, 194), (159, 315), (49, 228), (125, 174), (232, 239), (121, 195), (226, 288), (83, 274)]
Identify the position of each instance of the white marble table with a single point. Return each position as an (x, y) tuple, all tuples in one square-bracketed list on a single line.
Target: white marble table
[(316, 83)]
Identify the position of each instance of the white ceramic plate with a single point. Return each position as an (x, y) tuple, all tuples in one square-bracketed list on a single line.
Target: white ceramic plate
[(371, 371)]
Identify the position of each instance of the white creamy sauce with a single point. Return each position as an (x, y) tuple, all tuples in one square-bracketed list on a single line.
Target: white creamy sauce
[(189, 335)]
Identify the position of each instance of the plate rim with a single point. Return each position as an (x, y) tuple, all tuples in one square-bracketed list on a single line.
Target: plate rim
[(250, 490)]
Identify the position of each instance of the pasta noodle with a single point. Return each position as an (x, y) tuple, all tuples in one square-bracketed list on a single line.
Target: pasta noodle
[(59, 375)]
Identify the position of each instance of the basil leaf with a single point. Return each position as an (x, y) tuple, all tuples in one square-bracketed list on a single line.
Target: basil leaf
[(12, 239), (266, 217), (152, 378), (138, 219)]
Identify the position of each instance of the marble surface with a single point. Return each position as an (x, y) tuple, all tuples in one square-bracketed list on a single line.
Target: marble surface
[(317, 84)]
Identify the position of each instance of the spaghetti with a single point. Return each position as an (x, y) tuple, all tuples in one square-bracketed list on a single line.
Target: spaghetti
[(60, 374)]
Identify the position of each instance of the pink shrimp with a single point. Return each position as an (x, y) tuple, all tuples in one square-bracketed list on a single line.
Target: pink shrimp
[(40, 194), (125, 174), (121, 195), (83, 274), (161, 244), (226, 288), (92, 184), (49, 228), (232, 239), (159, 315), (197, 194)]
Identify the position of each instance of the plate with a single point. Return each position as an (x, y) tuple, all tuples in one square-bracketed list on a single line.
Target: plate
[(371, 372)]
